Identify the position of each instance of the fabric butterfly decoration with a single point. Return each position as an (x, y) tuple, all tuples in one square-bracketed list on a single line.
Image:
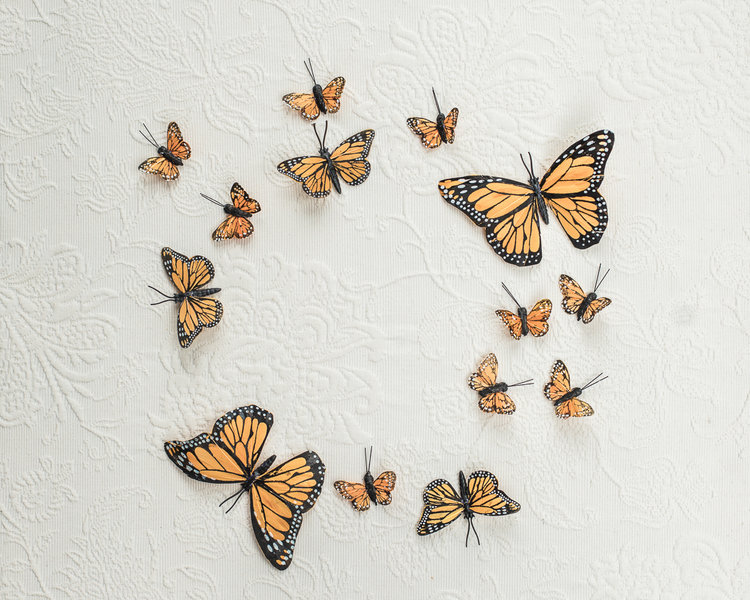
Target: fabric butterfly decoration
[(378, 490), (237, 224), (322, 100), (278, 497), (492, 393), (509, 210), (319, 173), (195, 310), (525, 322), (433, 133), (576, 302), (170, 156), (479, 495), (567, 401)]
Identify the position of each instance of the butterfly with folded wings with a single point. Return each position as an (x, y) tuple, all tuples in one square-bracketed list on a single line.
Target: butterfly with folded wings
[(322, 99), (433, 133), (378, 490)]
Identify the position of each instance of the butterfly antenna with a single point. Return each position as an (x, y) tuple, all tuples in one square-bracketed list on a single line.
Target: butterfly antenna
[(599, 281), (151, 141), (526, 382), (212, 200), (317, 136), (325, 135), (507, 291), (531, 164), (236, 496), (167, 296), (523, 160), (310, 71), (434, 95), (471, 526), (595, 380)]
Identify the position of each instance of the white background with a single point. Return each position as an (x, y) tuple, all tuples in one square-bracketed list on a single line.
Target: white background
[(356, 320)]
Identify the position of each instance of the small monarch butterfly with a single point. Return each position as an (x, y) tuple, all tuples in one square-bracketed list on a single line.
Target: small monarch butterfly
[(479, 495), (195, 310), (378, 490), (170, 156), (533, 322), (492, 393), (237, 224), (278, 497), (576, 302), (319, 173), (433, 133), (566, 399), (509, 210), (322, 100)]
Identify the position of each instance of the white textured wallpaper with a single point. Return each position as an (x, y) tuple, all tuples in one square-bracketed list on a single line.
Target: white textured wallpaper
[(357, 319)]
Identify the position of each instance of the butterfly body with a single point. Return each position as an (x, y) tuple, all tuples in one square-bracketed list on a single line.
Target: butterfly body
[(175, 160), (463, 490), (326, 155), (181, 296), (369, 481), (585, 305), (500, 386), (574, 393)]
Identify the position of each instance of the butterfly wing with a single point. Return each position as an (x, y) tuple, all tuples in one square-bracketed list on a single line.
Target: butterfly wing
[(506, 209), (175, 144), (350, 158), (354, 492), (312, 171), (243, 431), (305, 104), (442, 506), (573, 295), (187, 274), (537, 318), (332, 94), (242, 200), (205, 459), (193, 315), (497, 402), (384, 485), (427, 130), (233, 227), (570, 188), (575, 407), (450, 122), (594, 307), (486, 374), (485, 498), (512, 322), (559, 383), (279, 497), (158, 165)]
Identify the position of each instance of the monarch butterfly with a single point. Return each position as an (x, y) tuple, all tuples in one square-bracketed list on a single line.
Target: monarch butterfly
[(237, 224), (278, 496), (433, 133), (566, 399), (322, 100), (576, 302), (170, 157), (195, 310), (492, 393), (509, 210), (477, 496), (378, 490), (534, 322), (319, 173)]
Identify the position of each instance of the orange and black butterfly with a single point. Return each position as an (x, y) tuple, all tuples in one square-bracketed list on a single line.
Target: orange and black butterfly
[(492, 393), (170, 156), (576, 302), (525, 322), (378, 490), (237, 224), (322, 100), (433, 133), (195, 311), (278, 496), (509, 210), (567, 400), (319, 173), (479, 495)]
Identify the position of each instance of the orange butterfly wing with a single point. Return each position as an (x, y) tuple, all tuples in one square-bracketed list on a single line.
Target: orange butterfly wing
[(498, 402), (512, 322), (311, 171), (575, 407), (332, 94), (486, 374), (158, 165), (175, 144), (573, 295), (450, 122), (242, 200), (350, 158), (594, 307), (354, 492), (559, 383), (305, 104), (427, 130), (384, 485), (536, 320)]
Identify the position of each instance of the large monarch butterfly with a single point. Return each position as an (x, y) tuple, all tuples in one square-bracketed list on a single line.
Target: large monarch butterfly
[(237, 224), (566, 399), (509, 210), (492, 393), (533, 322), (278, 496), (322, 100), (195, 310), (319, 173), (170, 156), (378, 490), (576, 302), (477, 496), (433, 133)]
